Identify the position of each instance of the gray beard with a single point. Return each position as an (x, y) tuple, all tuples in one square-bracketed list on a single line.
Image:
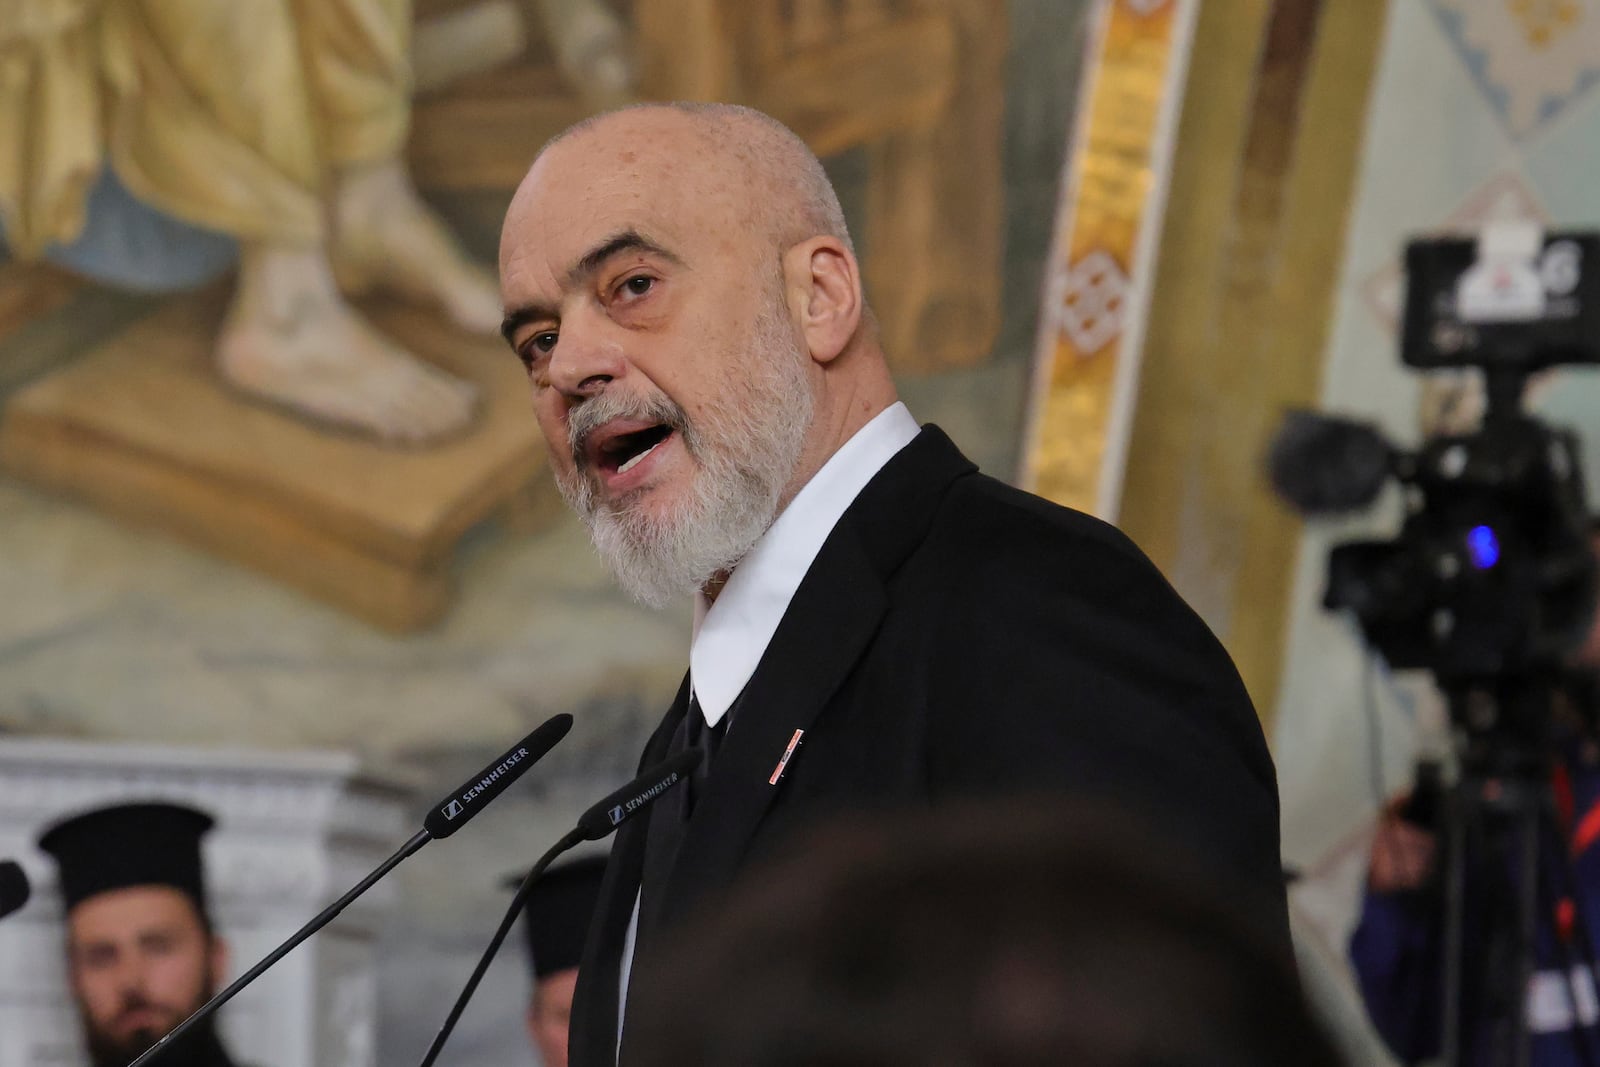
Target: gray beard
[(747, 445)]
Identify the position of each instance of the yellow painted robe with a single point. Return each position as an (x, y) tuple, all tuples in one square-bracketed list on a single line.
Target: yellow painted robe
[(229, 114)]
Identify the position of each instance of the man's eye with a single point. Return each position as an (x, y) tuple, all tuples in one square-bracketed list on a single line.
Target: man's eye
[(535, 348), (97, 957), (639, 284)]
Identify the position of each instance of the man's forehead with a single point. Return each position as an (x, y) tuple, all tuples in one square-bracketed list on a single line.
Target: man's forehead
[(546, 237), (646, 139), (129, 910), (594, 185), (661, 155)]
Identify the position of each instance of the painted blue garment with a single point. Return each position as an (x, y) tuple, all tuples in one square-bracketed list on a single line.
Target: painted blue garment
[(130, 245), (1396, 953)]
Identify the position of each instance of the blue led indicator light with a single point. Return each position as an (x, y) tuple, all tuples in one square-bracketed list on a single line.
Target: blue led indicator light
[(1483, 547)]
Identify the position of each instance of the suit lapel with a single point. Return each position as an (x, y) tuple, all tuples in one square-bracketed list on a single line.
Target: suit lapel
[(828, 626), (594, 1008), (824, 634)]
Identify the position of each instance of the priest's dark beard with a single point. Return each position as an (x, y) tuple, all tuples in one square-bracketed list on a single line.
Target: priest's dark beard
[(198, 1047)]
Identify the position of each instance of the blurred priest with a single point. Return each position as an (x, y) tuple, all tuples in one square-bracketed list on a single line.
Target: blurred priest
[(142, 954)]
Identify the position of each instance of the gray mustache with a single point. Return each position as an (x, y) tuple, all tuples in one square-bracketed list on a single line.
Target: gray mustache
[(594, 413)]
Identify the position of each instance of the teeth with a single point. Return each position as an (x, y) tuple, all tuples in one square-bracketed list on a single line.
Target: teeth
[(628, 466)]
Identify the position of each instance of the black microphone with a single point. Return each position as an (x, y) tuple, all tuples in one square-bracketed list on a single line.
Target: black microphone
[(603, 818), (447, 816), (599, 821), (453, 812), (1326, 466), (13, 887)]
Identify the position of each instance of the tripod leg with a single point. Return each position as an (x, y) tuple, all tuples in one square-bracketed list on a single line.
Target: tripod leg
[(1504, 878), (1577, 953), (1527, 831), (1462, 807)]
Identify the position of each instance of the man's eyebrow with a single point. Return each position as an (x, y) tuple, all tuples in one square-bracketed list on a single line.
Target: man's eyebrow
[(626, 241), (518, 317), (579, 272)]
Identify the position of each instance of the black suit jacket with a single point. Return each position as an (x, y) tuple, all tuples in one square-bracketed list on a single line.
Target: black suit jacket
[(958, 637)]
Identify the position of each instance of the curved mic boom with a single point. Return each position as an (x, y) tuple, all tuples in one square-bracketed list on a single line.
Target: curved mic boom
[(448, 816), (599, 821)]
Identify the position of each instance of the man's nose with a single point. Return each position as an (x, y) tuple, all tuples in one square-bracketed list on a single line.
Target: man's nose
[(131, 985), (585, 360)]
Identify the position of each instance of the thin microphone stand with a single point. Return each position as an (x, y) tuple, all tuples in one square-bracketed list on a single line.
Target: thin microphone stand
[(517, 903), (422, 837)]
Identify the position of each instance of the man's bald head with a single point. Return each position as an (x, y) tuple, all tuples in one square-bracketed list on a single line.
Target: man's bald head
[(789, 194)]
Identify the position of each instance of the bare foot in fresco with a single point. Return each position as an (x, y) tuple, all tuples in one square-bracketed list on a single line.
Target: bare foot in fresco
[(289, 338), (386, 238), (591, 46)]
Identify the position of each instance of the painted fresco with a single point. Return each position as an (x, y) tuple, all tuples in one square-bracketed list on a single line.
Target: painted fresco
[(185, 560), (223, 569)]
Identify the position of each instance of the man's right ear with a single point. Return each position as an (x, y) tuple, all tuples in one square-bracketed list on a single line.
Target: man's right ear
[(824, 288)]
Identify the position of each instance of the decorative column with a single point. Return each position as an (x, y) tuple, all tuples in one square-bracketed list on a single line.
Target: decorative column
[(294, 830), (1097, 287)]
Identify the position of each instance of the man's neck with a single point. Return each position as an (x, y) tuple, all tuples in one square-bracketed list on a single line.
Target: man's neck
[(834, 428), (806, 469), (714, 585)]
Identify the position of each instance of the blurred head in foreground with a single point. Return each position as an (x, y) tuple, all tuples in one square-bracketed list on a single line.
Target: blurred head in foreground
[(141, 953), (556, 919), (992, 936)]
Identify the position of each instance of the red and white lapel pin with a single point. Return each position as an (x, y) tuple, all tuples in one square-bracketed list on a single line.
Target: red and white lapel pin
[(788, 754)]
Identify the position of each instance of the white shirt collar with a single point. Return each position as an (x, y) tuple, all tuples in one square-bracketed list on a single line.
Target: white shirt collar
[(731, 634)]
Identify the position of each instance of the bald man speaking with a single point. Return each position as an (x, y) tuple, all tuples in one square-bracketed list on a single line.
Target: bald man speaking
[(875, 622)]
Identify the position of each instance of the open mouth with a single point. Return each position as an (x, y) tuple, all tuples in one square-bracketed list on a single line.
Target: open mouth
[(622, 453)]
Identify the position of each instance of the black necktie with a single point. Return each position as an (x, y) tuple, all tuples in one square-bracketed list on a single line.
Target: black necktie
[(697, 734), (669, 817)]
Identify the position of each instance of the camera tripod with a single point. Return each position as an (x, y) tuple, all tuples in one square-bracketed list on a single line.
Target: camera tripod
[(1505, 844)]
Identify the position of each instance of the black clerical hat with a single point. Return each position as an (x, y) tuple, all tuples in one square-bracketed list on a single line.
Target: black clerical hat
[(129, 845), (557, 914)]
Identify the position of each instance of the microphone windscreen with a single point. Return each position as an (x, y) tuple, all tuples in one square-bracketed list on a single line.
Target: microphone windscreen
[(604, 817), (1327, 466), (14, 888), (453, 812)]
